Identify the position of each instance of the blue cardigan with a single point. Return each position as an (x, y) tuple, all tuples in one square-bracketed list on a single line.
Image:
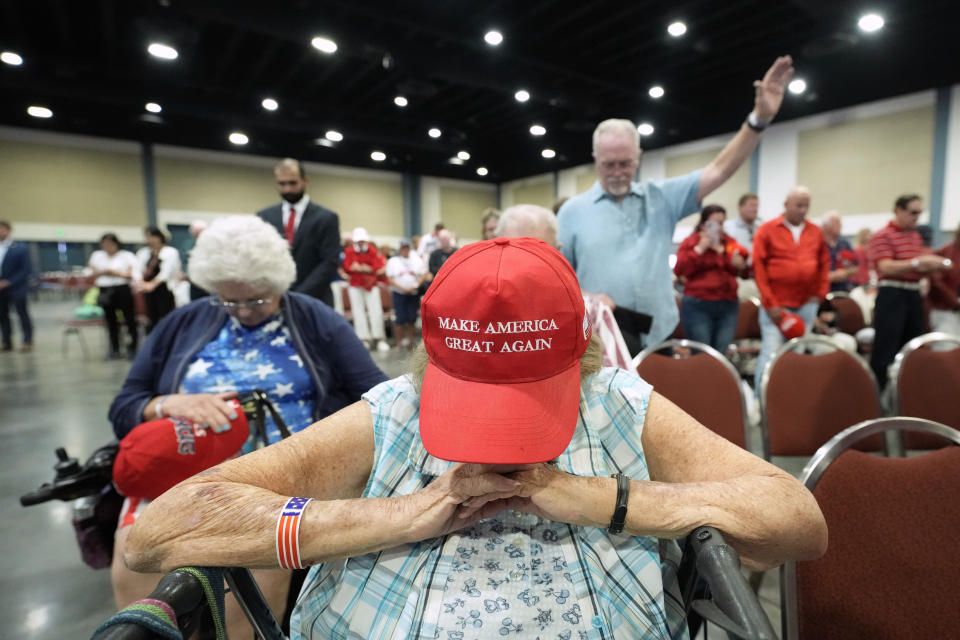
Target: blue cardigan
[(337, 361)]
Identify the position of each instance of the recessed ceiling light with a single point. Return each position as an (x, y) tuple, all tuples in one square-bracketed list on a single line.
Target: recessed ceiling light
[(153, 107), (548, 153), (645, 129), (434, 133), (239, 138), (481, 171), (798, 85), (455, 160), (11, 58), (39, 112), (870, 22), (400, 101), (677, 29), (656, 91), (538, 130), (270, 104), (522, 95), (324, 44), (163, 51), (493, 38), (333, 136), (463, 155), (323, 142), (378, 156)]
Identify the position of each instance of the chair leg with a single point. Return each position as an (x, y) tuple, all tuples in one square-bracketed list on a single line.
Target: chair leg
[(83, 344)]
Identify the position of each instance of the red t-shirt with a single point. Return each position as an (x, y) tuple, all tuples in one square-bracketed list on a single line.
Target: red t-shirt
[(894, 243), (709, 276), (789, 273), (370, 257)]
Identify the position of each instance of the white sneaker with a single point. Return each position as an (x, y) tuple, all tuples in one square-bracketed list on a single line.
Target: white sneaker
[(382, 345)]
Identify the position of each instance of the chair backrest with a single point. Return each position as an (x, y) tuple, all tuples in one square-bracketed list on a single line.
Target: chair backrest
[(704, 384), (849, 314), (807, 399), (925, 384), (748, 320), (888, 571)]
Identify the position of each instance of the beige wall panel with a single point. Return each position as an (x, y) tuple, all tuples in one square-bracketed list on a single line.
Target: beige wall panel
[(374, 203), (863, 165), (586, 180), (726, 195), (199, 185), (44, 183), (461, 209), (540, 193)]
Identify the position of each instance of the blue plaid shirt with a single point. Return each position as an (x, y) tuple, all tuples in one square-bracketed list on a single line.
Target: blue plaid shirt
[(623, 248), (395, 593)]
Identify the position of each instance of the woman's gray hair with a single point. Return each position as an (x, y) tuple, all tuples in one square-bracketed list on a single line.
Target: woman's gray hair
[(242, 249)]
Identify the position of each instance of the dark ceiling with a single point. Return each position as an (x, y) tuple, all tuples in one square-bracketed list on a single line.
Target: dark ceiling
[(581, 62)]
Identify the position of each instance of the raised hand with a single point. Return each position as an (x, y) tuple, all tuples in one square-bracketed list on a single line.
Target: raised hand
[(769, 91)]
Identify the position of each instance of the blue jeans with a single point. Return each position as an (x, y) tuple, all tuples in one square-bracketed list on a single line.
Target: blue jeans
[(771, 338), (712, 322)]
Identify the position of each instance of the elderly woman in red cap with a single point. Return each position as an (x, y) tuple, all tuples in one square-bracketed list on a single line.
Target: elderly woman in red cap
[(509, 485)]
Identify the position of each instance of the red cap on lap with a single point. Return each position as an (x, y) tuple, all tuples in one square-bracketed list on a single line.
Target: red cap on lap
[(158, 454)]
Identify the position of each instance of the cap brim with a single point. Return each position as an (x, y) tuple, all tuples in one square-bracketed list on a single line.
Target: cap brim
[(485, 423)]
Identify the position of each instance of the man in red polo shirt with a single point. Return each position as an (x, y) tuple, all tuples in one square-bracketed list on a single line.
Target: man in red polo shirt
[(791, 266), (901, 261)]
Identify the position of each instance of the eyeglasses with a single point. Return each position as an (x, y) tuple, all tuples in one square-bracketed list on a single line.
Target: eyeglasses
[(610, 165), (233, 305)]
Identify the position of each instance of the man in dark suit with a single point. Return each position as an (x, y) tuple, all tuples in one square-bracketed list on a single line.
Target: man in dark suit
[(15, 270), (312, 231)]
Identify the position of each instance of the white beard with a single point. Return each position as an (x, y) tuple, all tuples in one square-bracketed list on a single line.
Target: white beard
[(617, 187)]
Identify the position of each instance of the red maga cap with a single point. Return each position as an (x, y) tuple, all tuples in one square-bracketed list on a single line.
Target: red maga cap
[(792, 325), (158, 454), (504, 326)]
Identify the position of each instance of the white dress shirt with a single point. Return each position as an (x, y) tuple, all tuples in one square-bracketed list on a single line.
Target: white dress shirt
[(121, 261), (299, 207), (170, 271)]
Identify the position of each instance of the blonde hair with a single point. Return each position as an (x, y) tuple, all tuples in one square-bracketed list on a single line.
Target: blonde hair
[(590, 362)]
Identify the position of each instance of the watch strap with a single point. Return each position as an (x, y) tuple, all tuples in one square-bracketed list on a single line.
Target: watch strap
[(620, 511)]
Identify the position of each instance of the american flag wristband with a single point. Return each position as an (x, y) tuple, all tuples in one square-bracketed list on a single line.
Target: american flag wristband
[(288, 533)]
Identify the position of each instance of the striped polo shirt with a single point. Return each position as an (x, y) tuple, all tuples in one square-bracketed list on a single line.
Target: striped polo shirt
[(894, 243)]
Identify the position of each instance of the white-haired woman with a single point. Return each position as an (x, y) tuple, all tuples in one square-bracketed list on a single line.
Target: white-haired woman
[(252, 333)]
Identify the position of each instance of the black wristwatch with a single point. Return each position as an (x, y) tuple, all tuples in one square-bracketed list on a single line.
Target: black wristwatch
[(754, 123), (623, 496)]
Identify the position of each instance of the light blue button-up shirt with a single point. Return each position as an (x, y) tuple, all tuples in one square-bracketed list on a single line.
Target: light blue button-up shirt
[(622, 248)]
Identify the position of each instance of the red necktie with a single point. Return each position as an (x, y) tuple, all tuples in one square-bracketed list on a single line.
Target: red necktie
[(291, 226)]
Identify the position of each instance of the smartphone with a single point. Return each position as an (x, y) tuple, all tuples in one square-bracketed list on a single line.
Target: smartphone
[(712, 227)]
